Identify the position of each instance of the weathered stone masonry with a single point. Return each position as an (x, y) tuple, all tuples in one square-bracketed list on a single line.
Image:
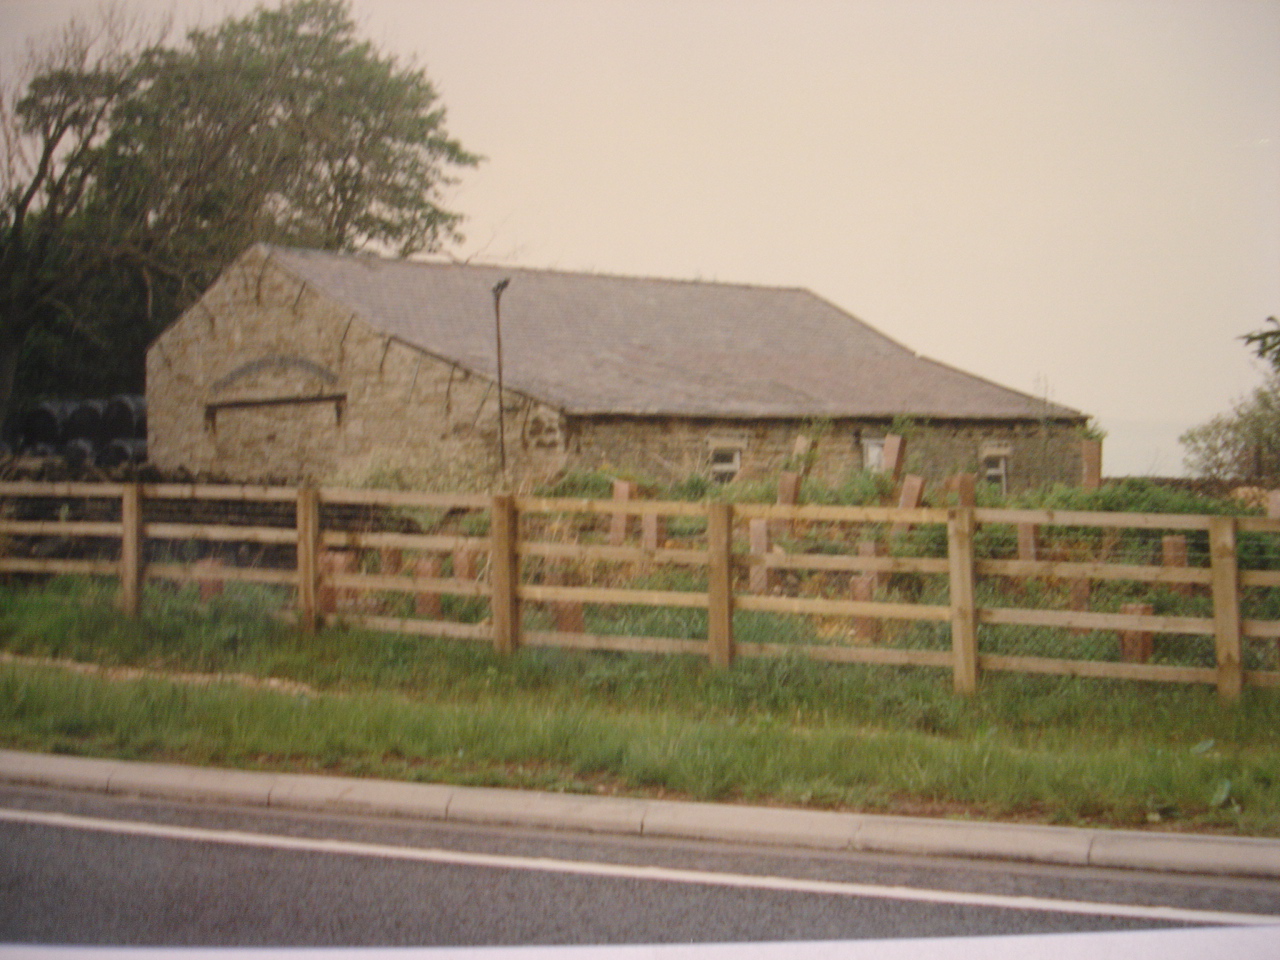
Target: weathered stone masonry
[(278, 382), (1036, 454), (267, 379)]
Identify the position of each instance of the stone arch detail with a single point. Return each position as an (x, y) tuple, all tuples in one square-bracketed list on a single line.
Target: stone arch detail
[(276, 362)]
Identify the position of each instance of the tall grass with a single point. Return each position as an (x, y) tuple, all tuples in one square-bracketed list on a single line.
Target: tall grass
[(783, 730), (527, 741)]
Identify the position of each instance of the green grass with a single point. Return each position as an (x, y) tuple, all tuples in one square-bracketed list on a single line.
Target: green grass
[(788, 730)]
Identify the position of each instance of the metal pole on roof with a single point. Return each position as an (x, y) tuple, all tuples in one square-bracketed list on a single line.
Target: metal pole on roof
[(497, 327)]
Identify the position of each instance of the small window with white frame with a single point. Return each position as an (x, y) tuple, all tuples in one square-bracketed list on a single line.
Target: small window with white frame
[(995, 465), (724, 454), (724, 461), (873, 454)]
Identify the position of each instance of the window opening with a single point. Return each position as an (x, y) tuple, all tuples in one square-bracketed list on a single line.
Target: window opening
[(995, 470), (726, 462), (873, 455)]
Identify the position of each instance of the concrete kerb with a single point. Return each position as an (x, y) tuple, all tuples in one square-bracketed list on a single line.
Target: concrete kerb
[(1191, 853), (350, 795), (963, 838), (556, 810), (743, 824)]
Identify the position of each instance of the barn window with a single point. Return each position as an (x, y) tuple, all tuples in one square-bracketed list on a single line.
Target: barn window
[(726, 462), (873, 454), (995, 465), (211, 410), (995, 471)]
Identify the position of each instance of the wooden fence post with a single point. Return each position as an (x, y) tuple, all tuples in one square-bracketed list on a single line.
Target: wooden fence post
[(1080, 593), (964, 614), (1028, 542), (131, 550), (863, 587), (653, 531), (964, 486), (464, 563), (568, 615), (788, 496), (788, 488), (504, 574), (1028, 549), (623, 490), (909, 498), (895, 456), (1136, 646), (1226, 606), (758, 578), (720, 584), (874, 548), (210, 583), (1173, 551), (427, 603), (1090, 464), (308, 557), (331, 564)]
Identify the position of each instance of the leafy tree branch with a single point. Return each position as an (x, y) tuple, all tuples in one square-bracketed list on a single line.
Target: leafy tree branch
[(135, 169)]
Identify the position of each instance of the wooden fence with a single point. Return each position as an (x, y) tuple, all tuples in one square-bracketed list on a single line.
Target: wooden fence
[(1175, 598)]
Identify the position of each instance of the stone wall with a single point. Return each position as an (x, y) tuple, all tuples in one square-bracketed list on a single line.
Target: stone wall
[(1035, 454), (266, 379)]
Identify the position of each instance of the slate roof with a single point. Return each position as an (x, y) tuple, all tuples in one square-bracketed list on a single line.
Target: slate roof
[(594, 344)]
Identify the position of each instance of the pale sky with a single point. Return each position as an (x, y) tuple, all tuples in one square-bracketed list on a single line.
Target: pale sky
[(1079, 199)]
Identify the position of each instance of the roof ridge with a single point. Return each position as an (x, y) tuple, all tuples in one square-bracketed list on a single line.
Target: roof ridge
[(441, 260)]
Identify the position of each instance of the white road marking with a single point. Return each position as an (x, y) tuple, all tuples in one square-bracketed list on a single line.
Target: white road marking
[(628, 872)]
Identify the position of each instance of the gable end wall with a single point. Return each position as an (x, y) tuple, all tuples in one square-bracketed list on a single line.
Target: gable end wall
[(259, 334)]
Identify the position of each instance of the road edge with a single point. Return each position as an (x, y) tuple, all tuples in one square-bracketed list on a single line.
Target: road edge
[(773, 826)]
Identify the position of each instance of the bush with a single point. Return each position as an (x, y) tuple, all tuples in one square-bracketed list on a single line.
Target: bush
[(1131, 495)]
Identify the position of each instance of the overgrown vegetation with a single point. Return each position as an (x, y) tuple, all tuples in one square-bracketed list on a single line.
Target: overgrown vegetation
[(869, 488), (1243, 445), (775, 731), (134, 167)]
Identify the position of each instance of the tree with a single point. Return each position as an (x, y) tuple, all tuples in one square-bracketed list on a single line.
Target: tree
[(1266, 342), (1242, 445), (280, 126), (51, 132), (1245, 443)]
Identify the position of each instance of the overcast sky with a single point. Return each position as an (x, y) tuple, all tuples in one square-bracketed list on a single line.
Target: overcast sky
[(1079, 199)]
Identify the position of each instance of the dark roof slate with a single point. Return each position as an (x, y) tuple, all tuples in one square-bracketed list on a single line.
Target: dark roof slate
[(594, 344)]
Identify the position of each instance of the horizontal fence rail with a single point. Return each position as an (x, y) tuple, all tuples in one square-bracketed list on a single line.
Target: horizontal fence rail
[(1154, 597)]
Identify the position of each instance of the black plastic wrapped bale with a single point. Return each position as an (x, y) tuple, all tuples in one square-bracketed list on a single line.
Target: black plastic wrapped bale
[(121, 451), (78, 452), (45, 423), (85, 421), (125, 417)]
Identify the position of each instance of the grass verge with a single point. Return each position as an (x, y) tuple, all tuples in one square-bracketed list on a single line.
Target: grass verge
[(785, 731)]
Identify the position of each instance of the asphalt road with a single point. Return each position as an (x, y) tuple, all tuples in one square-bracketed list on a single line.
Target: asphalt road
[(189, 874)]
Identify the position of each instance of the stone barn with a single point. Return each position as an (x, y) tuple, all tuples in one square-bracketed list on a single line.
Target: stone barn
[(298, 364)]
